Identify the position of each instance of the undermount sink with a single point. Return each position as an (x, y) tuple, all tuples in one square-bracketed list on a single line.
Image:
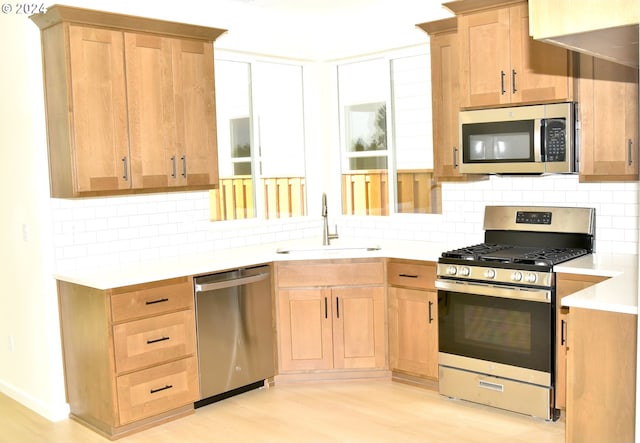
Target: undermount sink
[(327, 249)]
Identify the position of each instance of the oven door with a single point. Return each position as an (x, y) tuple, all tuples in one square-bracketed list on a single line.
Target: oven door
[(504, 326)]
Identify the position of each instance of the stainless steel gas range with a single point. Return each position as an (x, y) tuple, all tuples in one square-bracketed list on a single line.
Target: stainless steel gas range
[(497, 307)]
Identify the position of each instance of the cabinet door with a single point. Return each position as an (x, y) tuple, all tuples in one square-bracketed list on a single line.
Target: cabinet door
[(446, 104), (501, 64), (609, 121), (413, 331), (566, 284), (539, 71), (484, 62), (100, 147), (193, 82), (601, 369), (151, 105), (305, 329), (359, 327)]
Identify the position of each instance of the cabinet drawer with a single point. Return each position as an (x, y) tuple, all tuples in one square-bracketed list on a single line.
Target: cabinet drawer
[(156, 390), (330, 274), (154, 340), (411, 275), (151, 299)]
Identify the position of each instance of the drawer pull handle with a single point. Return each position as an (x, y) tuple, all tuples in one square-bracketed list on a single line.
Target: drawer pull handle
[(491, 386), (408, 275), (153, 391), (152, 302), (157, 340)]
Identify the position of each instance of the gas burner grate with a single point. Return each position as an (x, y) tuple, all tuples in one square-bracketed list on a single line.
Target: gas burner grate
[(501, 253), (475, 252), (550, 257)]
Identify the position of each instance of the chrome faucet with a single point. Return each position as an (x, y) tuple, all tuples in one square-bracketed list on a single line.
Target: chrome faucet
[(326, 236)]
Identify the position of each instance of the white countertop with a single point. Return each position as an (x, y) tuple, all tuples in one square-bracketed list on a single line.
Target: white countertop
[(106, 277), (618, 293)]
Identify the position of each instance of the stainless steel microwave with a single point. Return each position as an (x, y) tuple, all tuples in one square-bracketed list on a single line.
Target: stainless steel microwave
[(535, 139)]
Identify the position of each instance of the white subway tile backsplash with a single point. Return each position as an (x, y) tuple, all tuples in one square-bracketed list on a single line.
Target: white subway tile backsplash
[(103, 231)]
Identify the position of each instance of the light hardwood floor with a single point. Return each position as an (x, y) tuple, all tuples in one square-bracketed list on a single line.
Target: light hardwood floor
[(381, 411)]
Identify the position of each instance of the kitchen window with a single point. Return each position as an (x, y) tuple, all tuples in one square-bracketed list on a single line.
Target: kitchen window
[(260, 140), (385, 115)]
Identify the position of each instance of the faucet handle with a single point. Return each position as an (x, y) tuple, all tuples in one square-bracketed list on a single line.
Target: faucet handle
[(335, 233)]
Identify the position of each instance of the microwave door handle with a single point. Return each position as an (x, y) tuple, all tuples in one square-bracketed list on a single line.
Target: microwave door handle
[(539, 140)]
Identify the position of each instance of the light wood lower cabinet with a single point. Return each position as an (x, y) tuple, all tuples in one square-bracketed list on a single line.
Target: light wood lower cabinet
[(129, 354), (601, 375), (331, 315), (413, 319), (566, 284)]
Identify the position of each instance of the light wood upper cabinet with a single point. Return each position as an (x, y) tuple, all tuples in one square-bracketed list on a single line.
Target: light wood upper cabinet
[(445, 99), (608, 99), (130, 103), (89, 152), (152, 110), (500, 64), (171, 111)]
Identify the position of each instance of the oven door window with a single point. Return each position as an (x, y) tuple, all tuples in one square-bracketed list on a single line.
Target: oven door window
[(498, 142), (502, 330)]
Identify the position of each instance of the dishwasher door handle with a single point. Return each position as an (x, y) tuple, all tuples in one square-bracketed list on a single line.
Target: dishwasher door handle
[(205, 287)]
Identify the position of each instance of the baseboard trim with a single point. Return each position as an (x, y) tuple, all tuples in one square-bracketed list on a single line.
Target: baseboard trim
[(52, 412)]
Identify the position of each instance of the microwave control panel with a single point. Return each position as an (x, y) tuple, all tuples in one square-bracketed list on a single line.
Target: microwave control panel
[(554, 139)]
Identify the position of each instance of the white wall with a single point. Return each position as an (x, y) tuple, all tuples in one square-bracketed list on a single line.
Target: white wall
[(31, 368)]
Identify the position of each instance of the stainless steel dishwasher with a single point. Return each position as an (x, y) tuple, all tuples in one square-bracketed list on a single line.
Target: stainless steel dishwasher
[(235, 332)]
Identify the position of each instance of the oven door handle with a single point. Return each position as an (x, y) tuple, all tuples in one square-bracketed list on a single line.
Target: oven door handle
[(517, 293)]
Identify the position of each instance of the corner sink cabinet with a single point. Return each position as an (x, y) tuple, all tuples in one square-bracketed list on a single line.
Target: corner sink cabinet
[(331, 317), (413, 321), (130, 103), (129, 354)]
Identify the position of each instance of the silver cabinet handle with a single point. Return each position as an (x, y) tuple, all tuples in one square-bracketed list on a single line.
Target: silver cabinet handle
[(184, 165), (513, 80), (455, 157), (630, 147), (125, 169), (173, 166), (502, 90)]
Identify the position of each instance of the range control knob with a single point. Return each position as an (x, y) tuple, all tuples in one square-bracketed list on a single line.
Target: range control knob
[(490, 273), (516, 276), (452, 270), (464, 271), (531, 278)]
